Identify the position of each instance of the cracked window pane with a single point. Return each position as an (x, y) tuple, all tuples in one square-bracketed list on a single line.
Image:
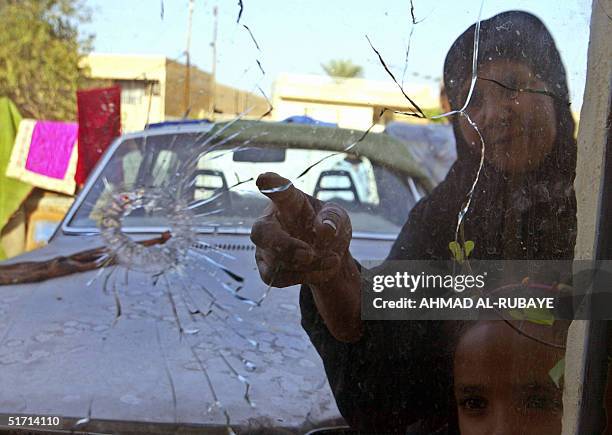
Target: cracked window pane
[(287, 174)]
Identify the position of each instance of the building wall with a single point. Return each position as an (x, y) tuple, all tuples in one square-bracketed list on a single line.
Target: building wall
[(227, 101), (153, 90), (200, 86), (350, 103), (233, 101)]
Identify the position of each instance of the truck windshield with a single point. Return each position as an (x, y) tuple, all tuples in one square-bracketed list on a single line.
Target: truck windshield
[(217, 184)]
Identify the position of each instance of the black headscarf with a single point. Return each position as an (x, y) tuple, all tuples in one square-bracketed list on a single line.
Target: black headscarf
[(532, 216)]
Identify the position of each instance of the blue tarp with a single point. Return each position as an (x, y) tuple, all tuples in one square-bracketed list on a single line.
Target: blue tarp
[(302, 119), (179, 122)]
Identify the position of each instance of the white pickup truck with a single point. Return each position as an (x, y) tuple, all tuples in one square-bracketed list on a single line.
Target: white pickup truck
[(183, 337)]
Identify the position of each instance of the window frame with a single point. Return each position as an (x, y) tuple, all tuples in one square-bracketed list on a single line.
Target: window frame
[(586, 350)]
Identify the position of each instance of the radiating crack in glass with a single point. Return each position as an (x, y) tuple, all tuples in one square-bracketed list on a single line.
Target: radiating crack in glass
[(470, 194), (260, 67), (248, 365), (259, 64), (168, 372), (241, 9), (252, 36), (118, 309), (269, 288), (270, 107), (414, 21), (170, 296), (409, 43), (462, 112), (217, 195), (106, 279), (216, 404), (527, 90), (104, 261), (241, 378), (344, 150), (418, 113), (407, 55)]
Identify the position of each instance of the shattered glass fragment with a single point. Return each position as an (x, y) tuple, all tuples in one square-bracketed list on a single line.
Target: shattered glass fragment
[(133, 255)]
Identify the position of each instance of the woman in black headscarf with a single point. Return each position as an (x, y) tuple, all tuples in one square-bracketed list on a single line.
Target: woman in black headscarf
[(523, 206), (517, 203)]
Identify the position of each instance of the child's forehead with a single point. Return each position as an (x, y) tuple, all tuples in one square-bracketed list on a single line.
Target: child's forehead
[(494, 357), (522, 332), (505, 384), (493, 344)]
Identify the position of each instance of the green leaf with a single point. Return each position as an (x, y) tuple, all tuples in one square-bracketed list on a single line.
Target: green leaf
[(456, 251), (556, 373), (468, 248), (541, 316), (517, 314)]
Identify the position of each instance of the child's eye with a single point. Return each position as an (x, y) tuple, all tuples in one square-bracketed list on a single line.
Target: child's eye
[(542, 403), (473, 403), (536, 402)]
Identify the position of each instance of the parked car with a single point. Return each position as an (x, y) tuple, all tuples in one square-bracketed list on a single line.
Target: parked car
[(184, 337)]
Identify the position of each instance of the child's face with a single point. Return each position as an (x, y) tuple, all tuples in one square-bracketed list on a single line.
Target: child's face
[(502, 385)]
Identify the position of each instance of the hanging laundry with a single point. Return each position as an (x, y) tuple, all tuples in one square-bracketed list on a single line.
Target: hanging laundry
[(12, 192), (45, 155), (99, 116)]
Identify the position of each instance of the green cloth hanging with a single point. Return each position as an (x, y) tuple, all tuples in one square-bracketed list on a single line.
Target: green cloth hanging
[(12, 192)]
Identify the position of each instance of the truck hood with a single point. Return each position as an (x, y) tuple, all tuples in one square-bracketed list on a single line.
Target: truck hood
[(105, 345)]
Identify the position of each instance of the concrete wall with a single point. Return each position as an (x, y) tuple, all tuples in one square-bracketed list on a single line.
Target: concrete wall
[(200, 86), (153, 90), (227, 101), (350, 103), (592, 137), (233, 101)]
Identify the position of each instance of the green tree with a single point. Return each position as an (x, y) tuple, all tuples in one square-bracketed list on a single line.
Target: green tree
[(40, 49), (342, 68)]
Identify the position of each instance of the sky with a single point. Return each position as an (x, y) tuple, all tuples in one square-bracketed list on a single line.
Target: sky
[(295, 36)]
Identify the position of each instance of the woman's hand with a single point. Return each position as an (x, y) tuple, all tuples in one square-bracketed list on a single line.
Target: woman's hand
[(301, 240)]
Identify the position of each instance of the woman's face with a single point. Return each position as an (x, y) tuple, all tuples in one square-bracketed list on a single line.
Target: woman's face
[(502, 383), (518, 127)]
